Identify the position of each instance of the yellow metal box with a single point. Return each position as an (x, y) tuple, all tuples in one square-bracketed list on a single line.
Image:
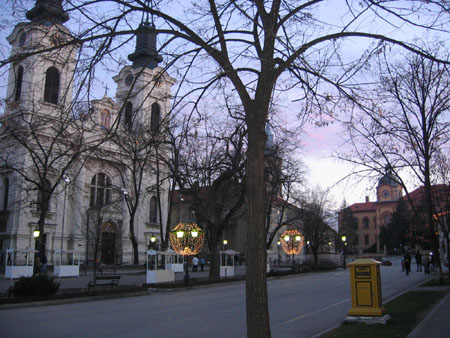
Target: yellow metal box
[(365, 285)]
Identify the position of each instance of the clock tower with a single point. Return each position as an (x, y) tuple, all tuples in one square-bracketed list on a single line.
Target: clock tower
[(41, 83)]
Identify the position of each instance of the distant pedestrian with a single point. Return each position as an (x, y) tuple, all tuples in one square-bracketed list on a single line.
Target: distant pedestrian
[(426, 263), (37, 264), (195, 264), (407, 262), (418, 261), (202, 263), (44, 263)]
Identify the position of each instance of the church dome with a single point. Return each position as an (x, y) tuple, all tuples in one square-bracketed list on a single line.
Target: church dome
[(388, 178)]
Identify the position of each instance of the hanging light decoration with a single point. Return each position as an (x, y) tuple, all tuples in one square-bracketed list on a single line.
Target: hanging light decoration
[(292, 242), (187, 239)]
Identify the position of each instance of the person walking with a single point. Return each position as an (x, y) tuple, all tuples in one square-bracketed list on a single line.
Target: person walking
[(44, 263), (202, 263), (426, 263), (407, 260), (418, 261), (195, 264)]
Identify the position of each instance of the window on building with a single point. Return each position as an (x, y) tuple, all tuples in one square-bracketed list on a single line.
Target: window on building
[(43, 194), (366, 223), (356, 240), (366, 239), (100, 190), (106, 118), (51, 90), (128, 120), (19, 81), (153, 211), (375, 222), (5, 193), (155, 118)]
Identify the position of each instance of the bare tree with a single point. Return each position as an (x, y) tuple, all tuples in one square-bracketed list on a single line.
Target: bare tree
[(348, 226), (283, 179), (407, 126), (316, 219), (136, 160), (259, 49), (441, 197), (211, 172), (97, 225), (41, 150)]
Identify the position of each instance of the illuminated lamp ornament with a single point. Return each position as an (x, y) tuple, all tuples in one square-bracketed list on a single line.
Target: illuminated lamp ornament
[(187, 239), (292, 242)]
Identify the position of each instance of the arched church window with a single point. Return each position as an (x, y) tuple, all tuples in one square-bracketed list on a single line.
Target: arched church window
[(100, 191), (19, 80), (153, 210), (128, 115), (51, 90), (43, 194), (155, 118), (5, 193), (106, 118), (386, 218)]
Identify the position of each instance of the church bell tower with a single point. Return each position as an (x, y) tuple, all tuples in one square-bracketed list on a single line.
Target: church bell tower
[(40, 79)]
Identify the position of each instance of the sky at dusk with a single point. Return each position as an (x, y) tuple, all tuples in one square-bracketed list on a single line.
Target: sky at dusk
[(326, 171), (318, 144)]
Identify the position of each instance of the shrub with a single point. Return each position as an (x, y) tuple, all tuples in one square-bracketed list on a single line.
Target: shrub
[(37, 285)]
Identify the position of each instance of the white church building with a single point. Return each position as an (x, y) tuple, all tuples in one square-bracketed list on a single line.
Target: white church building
[(91, 191)]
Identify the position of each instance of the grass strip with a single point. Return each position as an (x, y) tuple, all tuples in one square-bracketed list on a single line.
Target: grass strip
[(406, 312), (436, 282)]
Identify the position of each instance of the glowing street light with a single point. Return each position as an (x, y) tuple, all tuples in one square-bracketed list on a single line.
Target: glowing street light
[(292, 243), (186, 240)]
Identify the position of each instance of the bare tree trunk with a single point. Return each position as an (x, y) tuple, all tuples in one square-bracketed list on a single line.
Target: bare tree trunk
[(41, 223), (316, 258), (258, 324), (214, 268), (134, 242)]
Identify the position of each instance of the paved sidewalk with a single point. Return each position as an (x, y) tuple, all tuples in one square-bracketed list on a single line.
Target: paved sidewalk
[(436, 323), (135, 276)]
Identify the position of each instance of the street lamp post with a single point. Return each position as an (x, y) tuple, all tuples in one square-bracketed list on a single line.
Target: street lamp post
[(225, 242), (179, 207), (36, 234), (344, 240), (67, 181), (278, 247)]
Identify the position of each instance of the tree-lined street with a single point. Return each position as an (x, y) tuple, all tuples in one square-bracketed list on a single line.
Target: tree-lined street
[(300, 306)]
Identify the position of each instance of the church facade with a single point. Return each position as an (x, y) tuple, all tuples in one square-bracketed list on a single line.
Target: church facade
[(77, 154)]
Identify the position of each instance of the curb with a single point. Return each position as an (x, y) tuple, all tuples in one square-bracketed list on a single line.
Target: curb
[(73, 300)]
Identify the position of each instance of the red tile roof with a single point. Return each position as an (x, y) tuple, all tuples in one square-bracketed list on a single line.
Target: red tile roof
[(367, 206)]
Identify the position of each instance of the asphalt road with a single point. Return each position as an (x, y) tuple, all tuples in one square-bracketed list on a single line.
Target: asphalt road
[(300, 306)]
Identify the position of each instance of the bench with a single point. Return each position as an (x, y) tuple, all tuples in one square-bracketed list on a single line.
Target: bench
[(106, 270), (105, 281)]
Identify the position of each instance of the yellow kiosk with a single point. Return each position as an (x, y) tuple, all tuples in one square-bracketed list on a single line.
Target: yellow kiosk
[(365, 284)]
